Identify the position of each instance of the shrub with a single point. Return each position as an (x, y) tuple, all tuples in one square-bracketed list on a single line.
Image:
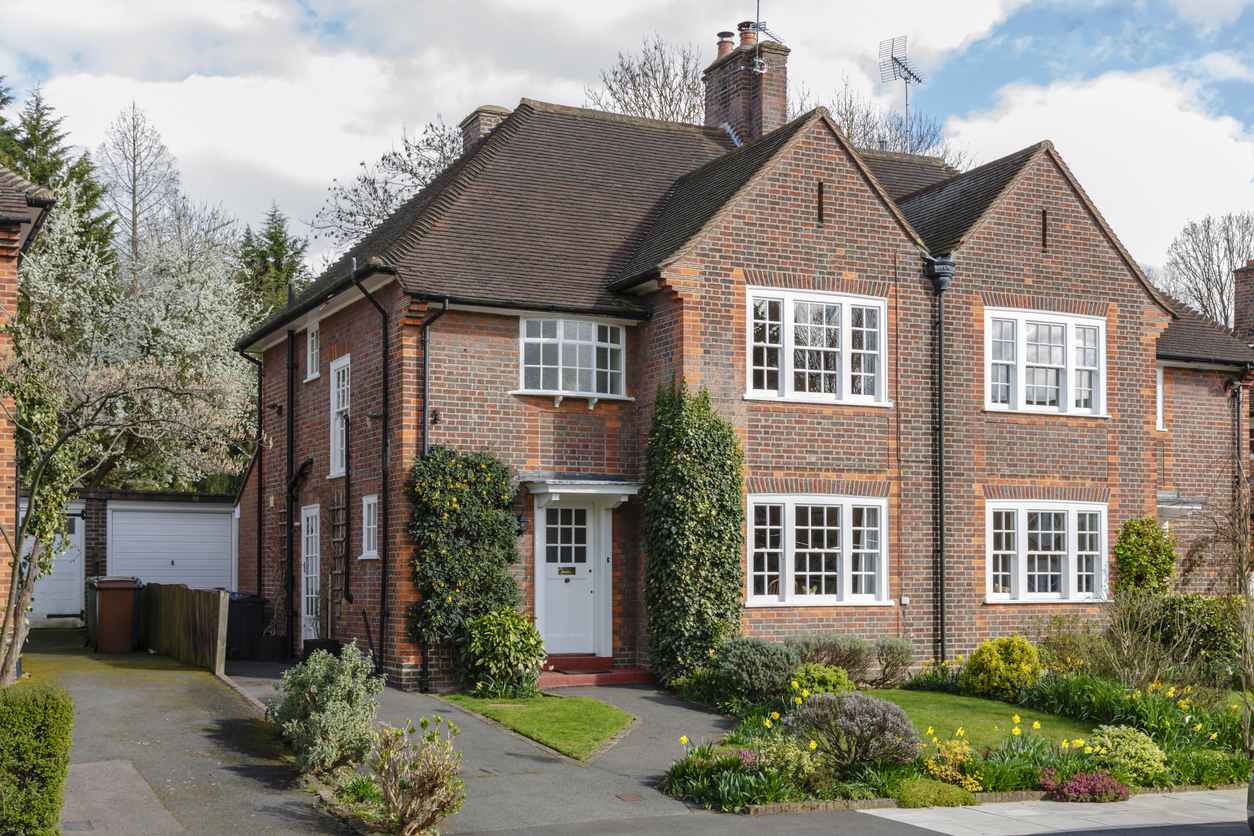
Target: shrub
[(822, 679), (1213, 628), (838, 650), (418, 776), (756, 668), (1145, 555), (1136, 651), (895, 656), (327, 707), (854, 728), (1084, 786), (36, 723), (462, 523), (925, 792), (945, 678), (787, 757), (359, 789), (953, 764), (1066, 642), (1208, 767), (1001, 668), (693, 532), (703, 684), (501, 654), (1128, 752), (724, 780)]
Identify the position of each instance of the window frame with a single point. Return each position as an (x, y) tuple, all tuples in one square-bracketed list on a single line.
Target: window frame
[(786, 391), (523, 340), (337, 452), (369, 528), (843, 598), (1069, 592), (1069, 382), (313, 352)]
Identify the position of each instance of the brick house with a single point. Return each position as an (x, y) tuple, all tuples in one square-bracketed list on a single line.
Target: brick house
[(23, 206), (534, 297)]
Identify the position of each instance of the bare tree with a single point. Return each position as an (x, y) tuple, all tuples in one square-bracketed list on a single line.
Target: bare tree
[(141, 179), (1202, 258), (354, 209), (662, 81)]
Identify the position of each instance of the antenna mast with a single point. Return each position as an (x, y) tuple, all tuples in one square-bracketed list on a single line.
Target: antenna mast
[(894, 65), (759, 28)]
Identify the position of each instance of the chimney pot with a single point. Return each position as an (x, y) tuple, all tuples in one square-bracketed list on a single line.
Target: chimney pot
[(748, 34), (751, 100), (725, 43)]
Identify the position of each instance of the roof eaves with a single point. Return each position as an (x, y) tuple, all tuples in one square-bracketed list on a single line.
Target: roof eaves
[(629, 309), (1209, 359)]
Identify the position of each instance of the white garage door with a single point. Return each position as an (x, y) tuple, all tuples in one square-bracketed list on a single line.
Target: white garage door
[(172, 545)]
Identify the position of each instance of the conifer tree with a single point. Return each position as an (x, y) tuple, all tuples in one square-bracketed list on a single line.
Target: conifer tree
[(270, 259)]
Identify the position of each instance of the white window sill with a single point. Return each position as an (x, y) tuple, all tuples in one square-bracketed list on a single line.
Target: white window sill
[(1052, 412), (331, 476), (751, 604), (313, 377), (749, 396), (994, 602), (374, 556), (558, 397)]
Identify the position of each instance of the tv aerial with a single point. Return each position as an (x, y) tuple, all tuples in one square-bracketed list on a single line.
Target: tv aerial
[(758, 25), (895, 66)]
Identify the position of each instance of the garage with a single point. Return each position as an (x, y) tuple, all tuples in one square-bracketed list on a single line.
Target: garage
[(173, 543)]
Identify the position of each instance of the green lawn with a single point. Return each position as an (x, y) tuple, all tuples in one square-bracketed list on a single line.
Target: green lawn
[(575, 726), (984, 722)]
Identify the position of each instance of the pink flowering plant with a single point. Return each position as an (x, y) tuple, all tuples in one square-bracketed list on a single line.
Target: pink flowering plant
[(1095, 785)]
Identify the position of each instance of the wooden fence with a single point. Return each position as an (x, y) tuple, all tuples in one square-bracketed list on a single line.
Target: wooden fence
[(184, 624)]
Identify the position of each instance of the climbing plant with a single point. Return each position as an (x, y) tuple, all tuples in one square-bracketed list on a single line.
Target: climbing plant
[(1145, 555), (693, 531), (462, 523)]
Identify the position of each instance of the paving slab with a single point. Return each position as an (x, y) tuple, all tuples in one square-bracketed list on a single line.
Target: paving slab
[(112, 797)]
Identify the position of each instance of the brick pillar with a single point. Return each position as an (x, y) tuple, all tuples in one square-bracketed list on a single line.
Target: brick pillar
[(1243, 307), (479, 124), (739, 94)]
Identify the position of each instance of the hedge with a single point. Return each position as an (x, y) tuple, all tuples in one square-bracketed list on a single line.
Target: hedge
[(36, 723)]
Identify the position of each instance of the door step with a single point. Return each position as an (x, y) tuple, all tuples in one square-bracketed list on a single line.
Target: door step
[(578, 663), (616, 676)]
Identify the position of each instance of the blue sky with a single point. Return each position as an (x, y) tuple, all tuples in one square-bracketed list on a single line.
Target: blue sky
[(1151, 103)]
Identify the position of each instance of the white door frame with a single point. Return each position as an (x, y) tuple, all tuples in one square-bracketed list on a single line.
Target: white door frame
[(604, 497), (307, 619), (78, 540)]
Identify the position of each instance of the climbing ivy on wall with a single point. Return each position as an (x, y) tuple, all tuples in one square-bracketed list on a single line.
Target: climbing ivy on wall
[(462, 522), (693, 532)]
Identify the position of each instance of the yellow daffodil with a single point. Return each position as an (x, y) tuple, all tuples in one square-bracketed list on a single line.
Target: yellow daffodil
[(1214, 735), (797, 700), (1016, 732), (1015, 718), (1184, 705), (813, 745), (684, 740), (1036, 724), (1063, 746), (1171, 692), (960, 732), (1077, 743), (1187, 689), (766, 723), (774, 715), (929, 731), (795, 686), (1198, 727), (1088, 750), (805, 693)]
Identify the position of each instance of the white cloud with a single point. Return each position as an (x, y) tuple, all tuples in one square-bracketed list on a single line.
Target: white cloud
[(1145, 150), (1209, 12)]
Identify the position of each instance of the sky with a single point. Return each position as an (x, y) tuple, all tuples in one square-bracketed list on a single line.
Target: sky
[(1151, 103)]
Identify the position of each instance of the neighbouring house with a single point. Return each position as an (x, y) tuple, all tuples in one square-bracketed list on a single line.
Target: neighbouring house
[(23, 207), (534, 297)]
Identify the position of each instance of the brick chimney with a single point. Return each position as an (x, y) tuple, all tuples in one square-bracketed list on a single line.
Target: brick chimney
[(753, 103), (479, 124), (1243, 307)]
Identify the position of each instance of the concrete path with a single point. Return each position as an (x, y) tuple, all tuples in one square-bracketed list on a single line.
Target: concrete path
[(161, 747)]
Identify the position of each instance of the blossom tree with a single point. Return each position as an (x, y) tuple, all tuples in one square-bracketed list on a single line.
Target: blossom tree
[(94, 369)]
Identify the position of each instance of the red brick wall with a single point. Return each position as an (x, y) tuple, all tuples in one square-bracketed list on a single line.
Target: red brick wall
[(752, 103), (8, 461), (248, 553)]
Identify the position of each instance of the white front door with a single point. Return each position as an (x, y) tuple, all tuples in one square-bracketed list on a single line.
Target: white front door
[(570, 578), (311, 534), (60, 592)]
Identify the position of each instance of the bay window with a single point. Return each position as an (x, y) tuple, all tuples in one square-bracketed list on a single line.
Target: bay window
[(572, 357)]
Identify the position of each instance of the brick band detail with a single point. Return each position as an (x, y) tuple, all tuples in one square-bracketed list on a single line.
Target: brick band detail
[(1059, 493), (835, 487), (815, 281), (1083, 307)]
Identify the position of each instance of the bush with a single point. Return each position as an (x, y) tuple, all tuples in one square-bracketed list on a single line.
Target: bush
[(895, 656), (693, 532), (1066, 642), (786, 757), (501, 654), (327, 707), (36, 723), (854, 728), (954, 764), (703, 685), (724, 780), (925, 792), (1213, 629), (462, 523), (944, 678), (418, 776), (838, 650), (1001, 668), (755, 668), (1208, 767), (822, 679), (1145, 555), (1084, 786), (1128, 752)]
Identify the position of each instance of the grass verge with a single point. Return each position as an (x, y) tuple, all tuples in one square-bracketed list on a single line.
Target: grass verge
[(984, 722), (924, 792), (574, 726)]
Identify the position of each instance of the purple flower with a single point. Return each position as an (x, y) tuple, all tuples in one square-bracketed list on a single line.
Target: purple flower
[(747, 759), (1084, 786)]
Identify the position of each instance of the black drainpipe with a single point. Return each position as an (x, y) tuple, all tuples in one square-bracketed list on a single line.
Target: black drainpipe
[(348, 510), (291, 473), (383, 474), (941, 271), (261, 488), (424, 682)]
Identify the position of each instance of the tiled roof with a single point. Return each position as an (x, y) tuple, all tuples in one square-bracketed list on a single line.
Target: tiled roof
[(697, 197), (16, 193), (1195, 338), (944, 214), (542, 214), (903, 174)]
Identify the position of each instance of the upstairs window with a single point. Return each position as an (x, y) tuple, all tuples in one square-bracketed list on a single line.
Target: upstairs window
[(572, 357), (816, 347), (1046, 551), (369, 527), (340, 383), (313, 352), (1043, 362)]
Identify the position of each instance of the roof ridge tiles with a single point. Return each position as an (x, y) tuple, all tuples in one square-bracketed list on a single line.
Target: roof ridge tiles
[(611, 116), (16, 182), (970, 173)]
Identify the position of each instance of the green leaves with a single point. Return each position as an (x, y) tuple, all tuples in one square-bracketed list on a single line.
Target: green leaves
[(693, 532), (1145, 555)]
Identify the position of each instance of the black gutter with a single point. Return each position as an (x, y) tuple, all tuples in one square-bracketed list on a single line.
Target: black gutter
[(941, 271), (424, 681), (258, 458), (616, 313), (382, 524), (348, 512), (45, 203)]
